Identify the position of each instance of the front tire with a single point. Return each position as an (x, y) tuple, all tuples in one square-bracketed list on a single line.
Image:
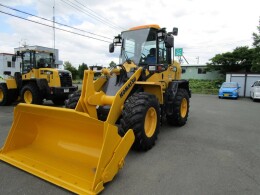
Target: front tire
[(142, 114), (30, 94), (5, 96), (180, 108)]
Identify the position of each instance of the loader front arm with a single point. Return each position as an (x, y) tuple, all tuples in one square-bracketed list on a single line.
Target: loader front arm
[(91, 98)]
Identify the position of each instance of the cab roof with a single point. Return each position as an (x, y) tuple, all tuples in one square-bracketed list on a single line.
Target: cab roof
[(156, 26)]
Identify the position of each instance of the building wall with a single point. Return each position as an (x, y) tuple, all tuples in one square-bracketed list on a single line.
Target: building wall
[(6, 64), (198, 72), (244, 80)]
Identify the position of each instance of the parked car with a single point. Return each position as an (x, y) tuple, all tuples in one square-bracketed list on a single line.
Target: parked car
[(255, 90), (229, 90)]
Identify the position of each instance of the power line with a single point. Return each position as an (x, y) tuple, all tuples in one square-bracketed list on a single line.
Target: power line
[(101, 17), (52, 21), (110, 33), (55, 27), (110, 29), (217, 45), (75, 6), (105, 20)]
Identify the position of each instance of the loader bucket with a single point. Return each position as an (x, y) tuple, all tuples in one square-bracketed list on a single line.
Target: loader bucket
[(65, 147)]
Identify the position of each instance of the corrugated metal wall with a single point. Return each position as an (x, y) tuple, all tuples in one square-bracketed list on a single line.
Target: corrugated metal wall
[(244, 80)]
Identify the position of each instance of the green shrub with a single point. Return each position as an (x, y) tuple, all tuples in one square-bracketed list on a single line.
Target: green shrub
[(205, 86)]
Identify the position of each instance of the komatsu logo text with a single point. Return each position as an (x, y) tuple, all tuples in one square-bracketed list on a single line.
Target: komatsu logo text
[(127, 87)]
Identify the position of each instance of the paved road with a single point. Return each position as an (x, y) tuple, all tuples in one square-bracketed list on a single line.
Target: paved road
[(217, 152)]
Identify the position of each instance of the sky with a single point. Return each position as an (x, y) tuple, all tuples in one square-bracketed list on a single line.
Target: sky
[(206, 28)]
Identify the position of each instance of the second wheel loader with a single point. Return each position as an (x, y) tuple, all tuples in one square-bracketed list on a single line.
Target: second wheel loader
[(38, 79), (82, 148)]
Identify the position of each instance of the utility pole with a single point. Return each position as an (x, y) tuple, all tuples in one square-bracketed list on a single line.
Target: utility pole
[(54, 26), (54, 56)]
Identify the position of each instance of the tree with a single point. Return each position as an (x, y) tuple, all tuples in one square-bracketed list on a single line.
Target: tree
[(256, 37), (256, 45), (81, 69), (68, 66), (112, 64), (239, 60)]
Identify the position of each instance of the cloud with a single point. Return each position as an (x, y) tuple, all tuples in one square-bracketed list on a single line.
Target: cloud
[(205, 27)]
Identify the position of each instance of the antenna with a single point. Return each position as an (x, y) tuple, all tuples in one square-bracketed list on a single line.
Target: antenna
[(23, 42), (198, 59)]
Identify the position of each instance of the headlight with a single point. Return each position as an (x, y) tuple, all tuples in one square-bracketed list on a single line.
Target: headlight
[(235, 91), (152, 68)]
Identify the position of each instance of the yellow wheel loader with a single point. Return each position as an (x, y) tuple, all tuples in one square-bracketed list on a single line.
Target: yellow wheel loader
[(81, 149), (37, 80)]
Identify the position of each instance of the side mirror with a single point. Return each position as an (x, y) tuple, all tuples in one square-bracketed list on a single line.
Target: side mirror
[(111, 48), (175, 31), (168, 41), (13, 58)]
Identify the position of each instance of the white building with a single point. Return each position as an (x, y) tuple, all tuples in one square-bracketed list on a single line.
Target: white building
[(6, 64)]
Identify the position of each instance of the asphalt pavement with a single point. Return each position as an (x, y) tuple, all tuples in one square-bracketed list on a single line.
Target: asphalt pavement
[(216, 152)]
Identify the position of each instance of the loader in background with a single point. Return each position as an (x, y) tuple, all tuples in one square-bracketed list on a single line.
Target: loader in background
[(80, 149), (39, 79)]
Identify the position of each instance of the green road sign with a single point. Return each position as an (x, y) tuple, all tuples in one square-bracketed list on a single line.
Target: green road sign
[(178, 51)]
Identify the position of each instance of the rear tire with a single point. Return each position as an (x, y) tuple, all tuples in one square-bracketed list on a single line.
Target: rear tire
[(59, 101), (73, 99), (180, 108), (142, 114), (30, 94)]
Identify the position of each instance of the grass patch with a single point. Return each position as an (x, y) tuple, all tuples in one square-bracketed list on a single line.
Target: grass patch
[(205, 86)]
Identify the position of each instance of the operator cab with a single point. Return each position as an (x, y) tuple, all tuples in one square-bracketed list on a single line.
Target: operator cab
[(145, 45), (36, 59)]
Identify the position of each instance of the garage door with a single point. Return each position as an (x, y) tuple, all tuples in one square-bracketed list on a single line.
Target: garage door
[(241, 82), (250, 81), (244, 80)]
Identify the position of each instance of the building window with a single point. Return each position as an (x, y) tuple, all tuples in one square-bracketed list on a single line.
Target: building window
[(9, 64), (13, 64), (201, 70), (183, 71)]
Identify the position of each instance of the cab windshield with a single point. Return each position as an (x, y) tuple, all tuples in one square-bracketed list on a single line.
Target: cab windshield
[(44, 60), (139, 46), (32, 59)]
